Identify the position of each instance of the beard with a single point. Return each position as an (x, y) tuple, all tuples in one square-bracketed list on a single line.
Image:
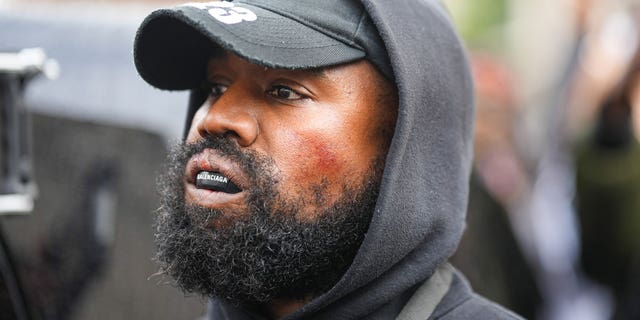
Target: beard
[(266, 253)]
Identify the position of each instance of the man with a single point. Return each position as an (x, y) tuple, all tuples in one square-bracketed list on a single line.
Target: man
[(326, 160)]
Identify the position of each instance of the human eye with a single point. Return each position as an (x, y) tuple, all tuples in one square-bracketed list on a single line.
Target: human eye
[(217, 89), (284, 93)]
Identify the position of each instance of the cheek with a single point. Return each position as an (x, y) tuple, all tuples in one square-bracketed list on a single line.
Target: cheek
[(323, 157), (310, 157)]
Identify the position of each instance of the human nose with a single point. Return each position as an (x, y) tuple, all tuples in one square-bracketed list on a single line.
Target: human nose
[(231, 117)]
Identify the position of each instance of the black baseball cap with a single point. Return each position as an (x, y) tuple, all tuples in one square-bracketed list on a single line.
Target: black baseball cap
[(172, 46)]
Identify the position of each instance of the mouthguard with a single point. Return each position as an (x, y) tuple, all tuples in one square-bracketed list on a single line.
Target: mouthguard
[(214, 181)]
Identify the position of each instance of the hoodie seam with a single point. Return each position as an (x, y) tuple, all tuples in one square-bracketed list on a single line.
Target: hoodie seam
[(360, 22)]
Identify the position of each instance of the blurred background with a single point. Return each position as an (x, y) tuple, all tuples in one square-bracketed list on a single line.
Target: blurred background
[(553, 226)]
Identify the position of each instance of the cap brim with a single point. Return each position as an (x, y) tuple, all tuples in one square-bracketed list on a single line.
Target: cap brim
[(172, 46)]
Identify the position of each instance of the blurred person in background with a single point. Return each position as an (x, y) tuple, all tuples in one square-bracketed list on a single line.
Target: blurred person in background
[(489, 253), (591, 154), (558, 238), (607, 200)]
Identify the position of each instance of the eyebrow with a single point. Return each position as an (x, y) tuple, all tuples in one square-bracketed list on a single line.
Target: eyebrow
[(319, 72)]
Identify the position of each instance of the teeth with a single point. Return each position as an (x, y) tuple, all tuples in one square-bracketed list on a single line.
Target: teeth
[(216, 182)]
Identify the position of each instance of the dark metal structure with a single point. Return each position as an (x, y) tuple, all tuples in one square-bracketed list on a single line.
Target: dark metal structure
[(17, 185)]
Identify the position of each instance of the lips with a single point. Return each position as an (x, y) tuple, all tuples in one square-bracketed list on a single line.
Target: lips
[(213, 181)]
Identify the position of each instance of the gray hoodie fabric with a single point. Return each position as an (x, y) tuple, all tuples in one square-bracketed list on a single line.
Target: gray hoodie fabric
[(420, 212)]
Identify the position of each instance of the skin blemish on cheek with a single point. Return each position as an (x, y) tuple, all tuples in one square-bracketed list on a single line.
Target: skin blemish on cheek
[(314, 154), (325, 157)]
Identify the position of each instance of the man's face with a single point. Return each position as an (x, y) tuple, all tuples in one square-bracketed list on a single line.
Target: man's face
[(319, 127), (306, 149)]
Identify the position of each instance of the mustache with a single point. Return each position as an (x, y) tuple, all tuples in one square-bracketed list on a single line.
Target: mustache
[(226, 147), (260, 170), (247, 160)]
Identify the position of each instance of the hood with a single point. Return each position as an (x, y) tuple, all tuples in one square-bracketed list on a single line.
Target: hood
[(420, 212), (419, 216)]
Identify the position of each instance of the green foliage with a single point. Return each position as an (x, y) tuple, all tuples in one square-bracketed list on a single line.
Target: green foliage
[(480, 22)]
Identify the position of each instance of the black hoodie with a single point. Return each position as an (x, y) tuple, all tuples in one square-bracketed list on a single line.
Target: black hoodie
[(419, 215)]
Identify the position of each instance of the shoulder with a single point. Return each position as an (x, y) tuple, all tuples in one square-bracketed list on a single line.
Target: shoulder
[(478, 308), (462, 303)]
